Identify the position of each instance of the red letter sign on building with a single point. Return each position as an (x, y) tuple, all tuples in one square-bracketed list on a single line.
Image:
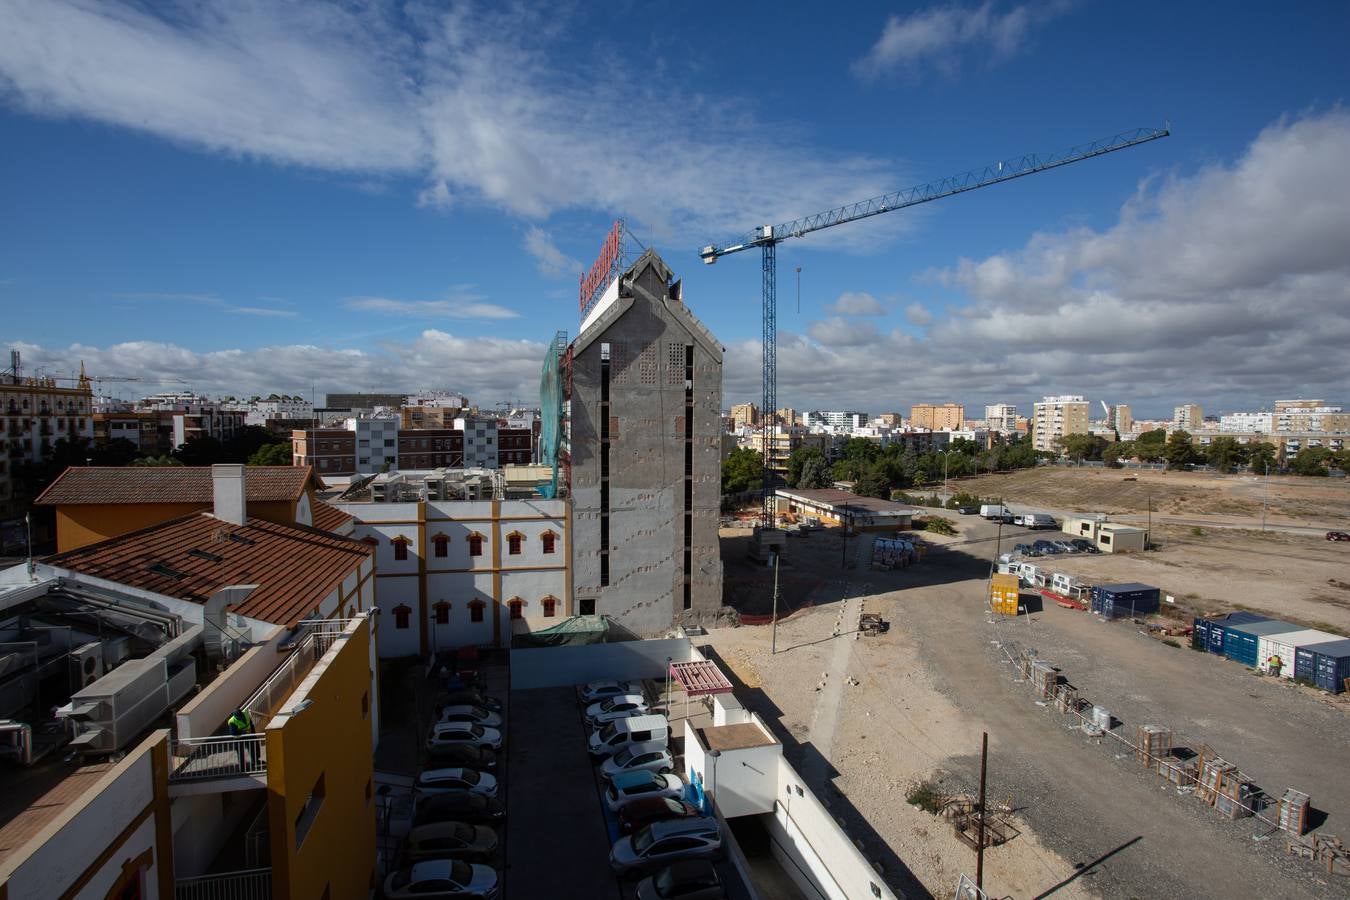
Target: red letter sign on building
[(597, 279)]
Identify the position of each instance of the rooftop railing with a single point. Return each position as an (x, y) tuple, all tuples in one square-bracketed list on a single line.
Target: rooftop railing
[(248, 884), (223, 756)]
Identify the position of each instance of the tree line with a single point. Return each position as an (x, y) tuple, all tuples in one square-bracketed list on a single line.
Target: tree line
[(1223, 453)]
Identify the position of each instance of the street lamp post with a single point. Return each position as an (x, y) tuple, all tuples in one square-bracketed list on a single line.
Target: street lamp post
[(773, 645), (1265, 495), (946, 455)]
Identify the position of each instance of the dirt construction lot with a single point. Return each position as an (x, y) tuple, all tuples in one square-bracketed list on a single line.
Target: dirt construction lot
[(865, 718)]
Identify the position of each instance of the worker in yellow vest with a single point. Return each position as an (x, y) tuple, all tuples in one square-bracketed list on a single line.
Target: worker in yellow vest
[(240, 724)]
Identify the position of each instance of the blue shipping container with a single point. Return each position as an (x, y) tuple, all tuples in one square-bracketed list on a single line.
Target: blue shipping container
[(1330, 665), (1218, 628), (1118, 600), (1200, 632), (1240, 642)]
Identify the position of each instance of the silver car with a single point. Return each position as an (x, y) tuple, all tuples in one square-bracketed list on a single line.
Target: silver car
[(651, 756), (661, 843)]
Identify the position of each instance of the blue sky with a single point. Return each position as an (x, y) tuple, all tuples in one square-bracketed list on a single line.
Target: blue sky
[(261, 197)]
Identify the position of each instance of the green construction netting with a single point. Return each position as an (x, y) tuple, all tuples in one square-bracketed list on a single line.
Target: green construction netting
[(551, 409), (570, 632)]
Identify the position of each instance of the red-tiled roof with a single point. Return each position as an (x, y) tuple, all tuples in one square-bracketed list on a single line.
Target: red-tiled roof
[(169, 484), (328, 517), (194, 556)]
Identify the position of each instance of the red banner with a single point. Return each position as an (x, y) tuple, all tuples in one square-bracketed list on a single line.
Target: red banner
[(598, 276)]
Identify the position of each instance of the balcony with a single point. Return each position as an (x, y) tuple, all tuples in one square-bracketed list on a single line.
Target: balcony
[(222, 756), (247, 884)]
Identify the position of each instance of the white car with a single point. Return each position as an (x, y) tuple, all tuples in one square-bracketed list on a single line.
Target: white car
[(650, 757), (664, 842), (440, 879), (438, 781), (629, 786), (620, 706), (470, 713), (603, 690), (446, 733)]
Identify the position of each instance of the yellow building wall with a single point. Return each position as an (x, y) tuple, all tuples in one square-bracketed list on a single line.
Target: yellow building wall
[(78, 525), (332, 738)]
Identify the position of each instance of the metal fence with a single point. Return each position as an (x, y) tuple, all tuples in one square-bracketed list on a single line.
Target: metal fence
[(308, 650), (249, 884), (220, 757)]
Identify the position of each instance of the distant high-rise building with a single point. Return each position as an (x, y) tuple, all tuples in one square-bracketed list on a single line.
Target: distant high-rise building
[(745, 415), (934, 417), (1001, 417), (1055, 417), (1309, 416), (363, 401), (1247, 423), (787, 417), (835, 418), (1188, 417), (1119, 418)]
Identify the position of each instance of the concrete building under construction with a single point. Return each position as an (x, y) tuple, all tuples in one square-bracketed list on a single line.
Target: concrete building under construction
[(641, 453)]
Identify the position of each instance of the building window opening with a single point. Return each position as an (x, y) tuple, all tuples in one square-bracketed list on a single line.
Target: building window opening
[(517, 607), (587, 605), (548, 539), (513, 541), (550, 605), (310, 811), (400, 548), (475, 544), (442, 613), (476, 610), (441, 545), (402, 615)]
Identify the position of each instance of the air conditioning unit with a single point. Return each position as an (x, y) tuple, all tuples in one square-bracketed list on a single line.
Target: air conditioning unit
[(86, 664)]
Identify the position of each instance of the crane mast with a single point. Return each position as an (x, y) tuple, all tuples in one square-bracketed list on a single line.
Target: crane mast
[(768, 237)]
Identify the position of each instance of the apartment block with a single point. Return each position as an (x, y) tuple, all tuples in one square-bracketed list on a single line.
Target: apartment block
[(934, 417), (1188, 417), (847, 419), (34, 415), (745, 415), (1119, 418), (431, 448), (1247, 423), (787, 416), (1309, 416), (1055, 417), (1001, 417), (330, 451)]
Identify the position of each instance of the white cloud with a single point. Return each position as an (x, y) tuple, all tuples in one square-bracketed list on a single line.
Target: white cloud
[(212, 301), (551, 261), (491, 107), (918, 314), (262, 311), (857, 303), (939, 34), (1229, 287), (462, 303), (487, 369)]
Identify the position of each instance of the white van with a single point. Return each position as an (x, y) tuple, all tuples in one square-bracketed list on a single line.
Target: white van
[(994, 511), (618, 734)]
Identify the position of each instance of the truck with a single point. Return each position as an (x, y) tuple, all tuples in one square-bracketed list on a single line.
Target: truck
[(994, 511), (1034, 520)]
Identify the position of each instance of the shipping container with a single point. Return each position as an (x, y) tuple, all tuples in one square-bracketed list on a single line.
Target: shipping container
[(1240, 642), (1004, 594), (1114, 601), (1217, 627), (1325, 665), (1275, 652)]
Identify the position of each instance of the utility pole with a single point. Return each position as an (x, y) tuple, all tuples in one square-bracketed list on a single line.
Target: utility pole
[(773, 645), (979, 843), (843, 547), (1265, 496), (1148, 534)]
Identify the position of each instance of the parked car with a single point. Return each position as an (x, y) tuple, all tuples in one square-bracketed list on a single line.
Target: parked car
[(611, 738), (692, 879), (442, 879), (665, 842), (594, 691), (1084, 546), (1338, 536), (436, 781), (457, 806), (464, 733), (450, 840), (620, 706), (1046, 547), (470, 713), (480, 758), (967, 510), (629, 786), (651, 757), (1025, 550), (1065, 546), (471, 697), (633, 816)]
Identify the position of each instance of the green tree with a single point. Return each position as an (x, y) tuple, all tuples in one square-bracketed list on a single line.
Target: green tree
[(203, 450), (873, 483), (743, 470), (1224, 453), (1178, 450), (117, 452), (861, 448), (1151, 445), (278, 454), (815, 474), (165, 460), (1310, 461), (1262, 457), (1079, 447), (964, 446), (797, 460), (1112, 453)]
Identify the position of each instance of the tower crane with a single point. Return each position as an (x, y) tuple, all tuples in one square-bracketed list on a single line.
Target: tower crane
[(768, 237)]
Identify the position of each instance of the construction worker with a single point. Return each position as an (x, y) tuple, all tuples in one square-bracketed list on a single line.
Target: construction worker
[(241, 723)]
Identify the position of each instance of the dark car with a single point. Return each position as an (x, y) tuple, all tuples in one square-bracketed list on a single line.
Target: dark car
[(462, 755), (1338, 536), (968, 510), (468, 697), (1026, 550), (458, 806), (653, 809), (694, 879), (1084, 546), (1046, 547)]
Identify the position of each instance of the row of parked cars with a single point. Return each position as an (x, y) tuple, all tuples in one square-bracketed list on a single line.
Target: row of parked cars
[(661, 832), (1054, 548), (457, 806)]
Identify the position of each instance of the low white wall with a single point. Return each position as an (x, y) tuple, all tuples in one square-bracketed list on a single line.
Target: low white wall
[(743, 782), (541, 667), (212, 707), (812, 842)]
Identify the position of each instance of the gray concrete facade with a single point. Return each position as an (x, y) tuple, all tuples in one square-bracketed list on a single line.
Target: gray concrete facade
[(663, 437)]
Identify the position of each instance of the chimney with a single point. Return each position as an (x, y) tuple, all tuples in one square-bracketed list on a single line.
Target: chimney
[(227, 489)]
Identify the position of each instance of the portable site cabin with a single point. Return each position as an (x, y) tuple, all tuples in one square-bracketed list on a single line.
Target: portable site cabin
[(1113, 538), (1276, 653), (1085, 527), (1209, 633)]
